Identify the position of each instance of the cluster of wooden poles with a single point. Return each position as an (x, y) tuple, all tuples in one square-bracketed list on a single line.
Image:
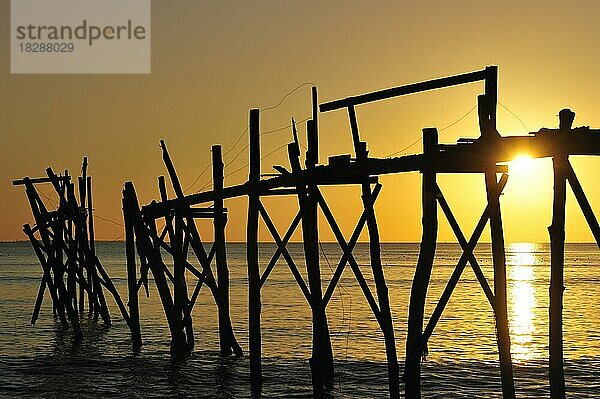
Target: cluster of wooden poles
[(147, 245), (63, 241)]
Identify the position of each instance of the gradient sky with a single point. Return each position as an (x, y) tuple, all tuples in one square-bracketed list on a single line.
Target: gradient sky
[(212, 61)]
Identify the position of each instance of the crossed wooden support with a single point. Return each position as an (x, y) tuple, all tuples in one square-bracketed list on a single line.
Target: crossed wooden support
[(63, 241), (380, 310), (143, 236)]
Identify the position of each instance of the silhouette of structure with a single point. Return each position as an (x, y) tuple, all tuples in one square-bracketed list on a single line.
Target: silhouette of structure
[(63, 241), (483, 155)]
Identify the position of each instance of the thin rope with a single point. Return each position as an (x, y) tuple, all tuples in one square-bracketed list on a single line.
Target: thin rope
[(241, 136), (439, 130), (513, 114)]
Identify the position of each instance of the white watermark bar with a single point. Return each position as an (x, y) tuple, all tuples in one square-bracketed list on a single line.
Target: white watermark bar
[(76, 36)]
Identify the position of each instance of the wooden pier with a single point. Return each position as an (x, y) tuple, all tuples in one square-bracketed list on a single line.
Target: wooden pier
[(63, 241), (485, 155)]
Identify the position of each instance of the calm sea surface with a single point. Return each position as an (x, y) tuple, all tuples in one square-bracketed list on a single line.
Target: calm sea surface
[(44, 361)]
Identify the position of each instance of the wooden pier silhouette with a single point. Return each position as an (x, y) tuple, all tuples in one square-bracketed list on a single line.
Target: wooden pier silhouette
[(485, 155)]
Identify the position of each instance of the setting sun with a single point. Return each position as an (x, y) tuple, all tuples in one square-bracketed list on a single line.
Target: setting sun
[(522, 164)]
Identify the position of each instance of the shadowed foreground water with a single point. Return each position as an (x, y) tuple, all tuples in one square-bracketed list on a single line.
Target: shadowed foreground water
[(45, 362)]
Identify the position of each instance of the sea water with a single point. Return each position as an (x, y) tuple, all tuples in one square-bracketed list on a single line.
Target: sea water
[(44, 361)]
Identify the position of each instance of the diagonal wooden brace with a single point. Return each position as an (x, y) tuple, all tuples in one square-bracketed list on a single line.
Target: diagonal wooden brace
[(347, 256), (283, 250), (467, 256)]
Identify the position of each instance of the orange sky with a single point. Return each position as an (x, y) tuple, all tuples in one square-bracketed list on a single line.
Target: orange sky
[(212, 61)]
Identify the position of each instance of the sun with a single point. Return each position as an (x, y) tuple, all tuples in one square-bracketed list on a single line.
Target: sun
[(522, 165)]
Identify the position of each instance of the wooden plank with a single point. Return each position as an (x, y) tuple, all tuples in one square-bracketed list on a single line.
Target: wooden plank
[(404, 90)]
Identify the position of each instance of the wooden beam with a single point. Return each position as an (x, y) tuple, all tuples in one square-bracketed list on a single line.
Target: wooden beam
[(404, 90)]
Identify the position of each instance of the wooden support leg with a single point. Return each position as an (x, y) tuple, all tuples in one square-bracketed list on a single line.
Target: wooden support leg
[(385, 319), (418, 293), (321, 361), (499, 261), (129, 204), (557, 263), (219, 223), (254, 304), (467, 256), (180, 294)]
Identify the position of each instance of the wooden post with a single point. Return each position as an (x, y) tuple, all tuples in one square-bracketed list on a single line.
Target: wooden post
[(499, 262), (560, 163), (414, 342), (557, 263), (254, 304), (180, 293), (321, 362), (92, 275), (382, 293), (129, 202), (487, 122), (219, 222)]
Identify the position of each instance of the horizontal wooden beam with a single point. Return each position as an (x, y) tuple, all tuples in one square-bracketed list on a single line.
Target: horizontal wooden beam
[(35, 180), (404, 90)]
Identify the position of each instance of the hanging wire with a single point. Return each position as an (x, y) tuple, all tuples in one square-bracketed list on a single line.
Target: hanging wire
[(197, 178), (284, 127), (439, 130), (108, 220), (265, 156), (287, 95), (248, 145), (513, 114), (241, 136)]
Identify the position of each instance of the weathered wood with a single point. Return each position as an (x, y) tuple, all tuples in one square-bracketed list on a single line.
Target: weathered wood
[(404, 90), (47, 277), (557, 264), (151, 251), (583, 202), (414, 341), (281, 249), (467, 256), (254, 302), (219, 223), (487, 120), (281, 243), (385, 313), (349, 257), (180, 294), (129, 218), (321, 361), (84, 184), (36, 180)]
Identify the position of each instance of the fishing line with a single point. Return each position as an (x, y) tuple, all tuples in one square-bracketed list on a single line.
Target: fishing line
[(241, 136), (513, 114), (22, 311), (440, 130)]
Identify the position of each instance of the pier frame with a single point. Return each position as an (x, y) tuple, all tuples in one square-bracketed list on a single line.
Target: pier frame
[(63, 240)]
